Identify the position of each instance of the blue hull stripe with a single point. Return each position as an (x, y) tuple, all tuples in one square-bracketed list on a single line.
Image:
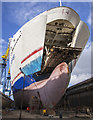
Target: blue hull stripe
[(28, 70), (18, 85), (33, 66)]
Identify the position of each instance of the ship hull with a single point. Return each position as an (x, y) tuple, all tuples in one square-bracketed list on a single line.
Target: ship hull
[(48, 91), (38, 52)]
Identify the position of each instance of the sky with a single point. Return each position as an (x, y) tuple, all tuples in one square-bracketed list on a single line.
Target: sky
[(16, 14)]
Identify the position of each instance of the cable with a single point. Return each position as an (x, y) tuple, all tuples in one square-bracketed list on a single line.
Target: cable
[(38, 93), (22, 95)]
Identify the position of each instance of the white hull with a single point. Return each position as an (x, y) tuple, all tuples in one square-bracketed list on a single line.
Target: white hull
[(55, 36)]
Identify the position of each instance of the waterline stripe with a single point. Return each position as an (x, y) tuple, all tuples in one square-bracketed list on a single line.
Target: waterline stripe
[(34, 52)]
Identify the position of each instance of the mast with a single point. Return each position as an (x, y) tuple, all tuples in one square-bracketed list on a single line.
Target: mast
[(60, 2)]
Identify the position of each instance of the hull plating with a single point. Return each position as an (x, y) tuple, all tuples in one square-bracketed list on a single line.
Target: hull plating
[(48, 91), (44, 48)]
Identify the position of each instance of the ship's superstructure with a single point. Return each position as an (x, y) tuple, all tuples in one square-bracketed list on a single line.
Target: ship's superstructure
[(43, 50)]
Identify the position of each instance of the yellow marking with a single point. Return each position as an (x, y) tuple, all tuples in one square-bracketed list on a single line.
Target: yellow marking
[(52, 50), (6, 54), (9, 71), (44, 111), (32, 97)]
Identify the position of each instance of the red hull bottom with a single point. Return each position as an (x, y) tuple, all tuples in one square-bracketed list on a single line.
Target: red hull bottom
[(48, 91)]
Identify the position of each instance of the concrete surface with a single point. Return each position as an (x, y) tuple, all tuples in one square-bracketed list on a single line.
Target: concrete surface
[(15, 115)]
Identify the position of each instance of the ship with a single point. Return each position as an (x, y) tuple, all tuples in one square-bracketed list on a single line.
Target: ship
[(43, 53)]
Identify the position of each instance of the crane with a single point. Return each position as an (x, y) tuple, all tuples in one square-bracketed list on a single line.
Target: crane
[(5, 81)]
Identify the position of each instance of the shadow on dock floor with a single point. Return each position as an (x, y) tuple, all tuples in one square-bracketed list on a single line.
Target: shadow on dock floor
[(14, 115), (47, 119)]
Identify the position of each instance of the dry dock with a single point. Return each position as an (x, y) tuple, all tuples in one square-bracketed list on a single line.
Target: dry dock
[(66, 115), (79, 97), (5, 101), (77, 104)]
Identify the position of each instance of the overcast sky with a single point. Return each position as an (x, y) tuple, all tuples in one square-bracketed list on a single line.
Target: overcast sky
[(15, 14)]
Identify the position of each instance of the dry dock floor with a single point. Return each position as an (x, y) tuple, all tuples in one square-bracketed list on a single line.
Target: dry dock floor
[(15, 115)]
